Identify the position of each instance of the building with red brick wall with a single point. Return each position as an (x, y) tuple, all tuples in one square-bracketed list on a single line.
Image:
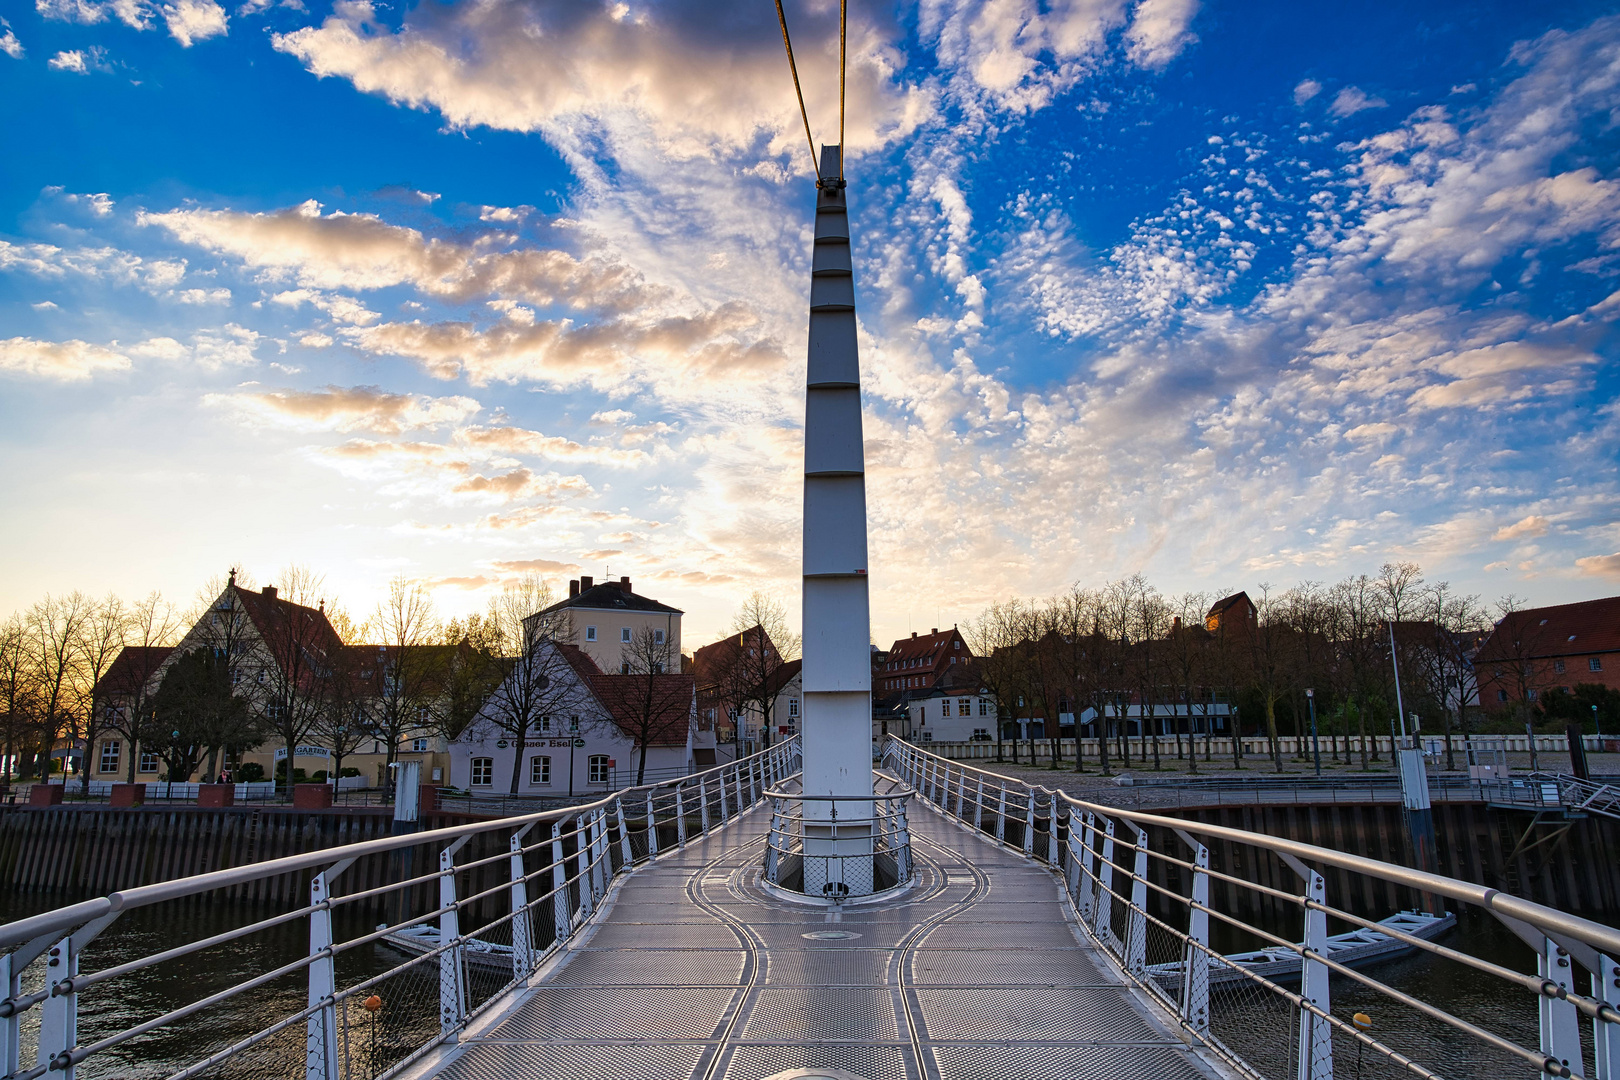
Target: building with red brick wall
[(1538, 649)]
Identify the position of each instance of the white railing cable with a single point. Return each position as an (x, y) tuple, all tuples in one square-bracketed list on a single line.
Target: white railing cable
[(1085, 860), (578, 882)]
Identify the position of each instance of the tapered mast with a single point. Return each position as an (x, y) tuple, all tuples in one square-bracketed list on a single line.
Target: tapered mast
[(837, 728)]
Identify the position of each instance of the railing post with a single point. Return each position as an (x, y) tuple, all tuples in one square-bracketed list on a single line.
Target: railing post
[(562, 916), (59, 1013), (1029, 820), (629, 856), (320, 1039), (11, 1023), (599, 854), (522, 934), (1560, 1022), (703, 800), (978, 806), (652, 828), (1086, 900), (1105, 887), (582, 863), (1315, 1033), (721, 780), (1001, 815), (1052, 832), (1606, 1037), (680, 817), (774, 838), (452, 977), (1195, 961), (1136, 929)]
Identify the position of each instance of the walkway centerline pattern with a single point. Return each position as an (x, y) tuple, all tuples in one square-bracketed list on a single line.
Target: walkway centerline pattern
[(693, 971)]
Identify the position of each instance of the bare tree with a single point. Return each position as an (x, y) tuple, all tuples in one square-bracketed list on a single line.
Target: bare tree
[(1185, 651), (301, 648), (1271, 661), (1460, 625), (412, 670), (18, 698), (101, 639), (750, 672), (537, 679), (994, 637), (654, 706), (56, 629), (153, 624)]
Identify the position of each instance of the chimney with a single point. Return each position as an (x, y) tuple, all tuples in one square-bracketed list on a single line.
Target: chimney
[(585, 582), (935, 630), (914, 634), (268, 592), (573, 588), (624, 584)]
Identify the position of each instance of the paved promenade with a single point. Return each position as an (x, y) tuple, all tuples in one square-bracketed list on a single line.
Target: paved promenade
[(692, 971)]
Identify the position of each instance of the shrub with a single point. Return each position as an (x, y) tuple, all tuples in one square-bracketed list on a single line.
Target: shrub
[(349, 771), (250, 772)]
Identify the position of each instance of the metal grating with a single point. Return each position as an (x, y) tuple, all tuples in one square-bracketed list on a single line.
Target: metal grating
[(871, 1062), (1033, 1014), (617, 1012), (650, 967), (817, 1014), (503, 1061), (617, 935), (962, 967), (828, 967), (1066, 1062), (970, 935)]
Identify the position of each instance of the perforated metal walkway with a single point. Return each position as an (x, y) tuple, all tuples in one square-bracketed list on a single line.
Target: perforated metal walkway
[(693, 972)]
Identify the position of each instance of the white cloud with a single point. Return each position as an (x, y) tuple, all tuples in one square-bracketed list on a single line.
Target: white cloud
[(62, 361), (194, 20), (1607, 566), (354, 408), (1158, 32), (1306, 90), (44, 305), (104, 264), (203, 296), (135, 13), (1525, 528), (80, 61), (1353, 99), (10, 45)]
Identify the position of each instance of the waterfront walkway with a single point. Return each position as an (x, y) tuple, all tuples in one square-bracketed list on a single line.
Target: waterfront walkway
[(693, 971)]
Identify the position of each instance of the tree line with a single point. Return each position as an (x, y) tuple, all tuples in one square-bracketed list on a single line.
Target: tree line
[(1127, 644)]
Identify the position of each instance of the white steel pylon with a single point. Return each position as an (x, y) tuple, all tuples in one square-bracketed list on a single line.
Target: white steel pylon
[(837, 727)]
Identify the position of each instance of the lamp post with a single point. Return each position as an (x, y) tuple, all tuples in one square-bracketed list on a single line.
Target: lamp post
[(1316, 744), (1597, 726), (176, 736)]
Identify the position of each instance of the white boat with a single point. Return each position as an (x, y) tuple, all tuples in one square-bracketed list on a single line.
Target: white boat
[(424, 938), (1353, 949)]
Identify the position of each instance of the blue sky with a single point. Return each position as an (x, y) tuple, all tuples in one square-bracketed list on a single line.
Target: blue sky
[(1219, 292)]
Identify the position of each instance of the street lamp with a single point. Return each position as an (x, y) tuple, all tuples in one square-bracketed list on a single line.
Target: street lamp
[(1316, 744)]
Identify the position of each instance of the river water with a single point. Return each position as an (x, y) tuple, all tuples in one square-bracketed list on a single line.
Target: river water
[(1251, 1022)]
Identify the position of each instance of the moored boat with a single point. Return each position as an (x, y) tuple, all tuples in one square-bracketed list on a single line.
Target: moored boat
[(1353, 949)]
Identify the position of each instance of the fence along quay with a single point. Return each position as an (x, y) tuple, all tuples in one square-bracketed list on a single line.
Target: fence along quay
[(480, 961)]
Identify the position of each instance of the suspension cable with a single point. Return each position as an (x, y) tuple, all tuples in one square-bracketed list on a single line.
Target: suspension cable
[(843, 13), (804, 115)]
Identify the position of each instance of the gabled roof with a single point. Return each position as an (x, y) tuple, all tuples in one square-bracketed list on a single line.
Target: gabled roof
[(1590, 626), (784, 675), (669, 706), (927, 647), (579, 660), (134, 665), (1237, 606), (712, 662), (611, 596), (268, 611)]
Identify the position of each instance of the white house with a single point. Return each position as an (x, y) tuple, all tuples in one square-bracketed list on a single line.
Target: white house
[(586, 741)]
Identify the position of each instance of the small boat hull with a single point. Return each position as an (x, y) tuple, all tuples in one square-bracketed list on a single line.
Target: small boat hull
[(1353, 949), (424, 938)]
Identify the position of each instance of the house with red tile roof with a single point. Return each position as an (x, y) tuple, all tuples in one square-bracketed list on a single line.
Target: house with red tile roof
[(1536, 649)]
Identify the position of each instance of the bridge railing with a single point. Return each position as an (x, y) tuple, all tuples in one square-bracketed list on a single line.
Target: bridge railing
[(434, 928), (1242, 940), (848, 846)]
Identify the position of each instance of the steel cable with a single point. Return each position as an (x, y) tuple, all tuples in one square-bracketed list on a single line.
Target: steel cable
[(787, 42)]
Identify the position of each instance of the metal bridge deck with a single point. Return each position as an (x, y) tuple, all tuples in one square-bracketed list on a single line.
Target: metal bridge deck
[(692, 971)]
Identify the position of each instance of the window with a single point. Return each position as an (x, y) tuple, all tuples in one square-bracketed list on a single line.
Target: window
[(964, 707), (1533, 694), (483, 771), (573, 725), (111, 749), (1594, 664), (540, 771), (1501, 695), (419, 746), (422, 715), (545, 724), (275, 712), (981, 734), (658, 638), (793, 706), (149, 762), (945, 707), (926, 736), (598, 769), (624, 634), (590, 633), (984, 707), (956, 644), (1558, 666), (922, 714)]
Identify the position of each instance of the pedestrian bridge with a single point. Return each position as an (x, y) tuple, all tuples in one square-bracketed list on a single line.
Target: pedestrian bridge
[(1030, 935)]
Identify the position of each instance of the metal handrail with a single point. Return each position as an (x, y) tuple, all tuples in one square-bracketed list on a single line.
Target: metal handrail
[(1103, 854), (885, 833), (585, 848)]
